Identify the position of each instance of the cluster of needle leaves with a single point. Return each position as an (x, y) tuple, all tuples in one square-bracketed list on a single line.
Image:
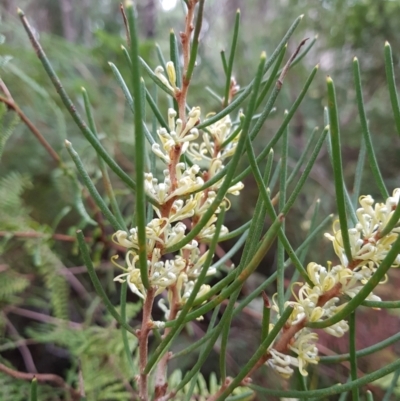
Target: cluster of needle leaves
[(139, 350)]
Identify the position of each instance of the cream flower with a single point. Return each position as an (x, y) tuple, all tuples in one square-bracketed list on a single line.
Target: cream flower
[(306, 350)]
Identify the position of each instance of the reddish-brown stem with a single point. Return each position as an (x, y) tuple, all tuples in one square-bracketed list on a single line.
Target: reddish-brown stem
[(333, 292), (45, 377), (9, 102), (288, 332), (143, 335), (40, 317), (34, 234), (174, 155), (223, 387), (128, 35), (161, 371)]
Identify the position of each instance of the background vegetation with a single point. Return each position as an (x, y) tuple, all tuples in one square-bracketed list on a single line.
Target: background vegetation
[(51, 320)]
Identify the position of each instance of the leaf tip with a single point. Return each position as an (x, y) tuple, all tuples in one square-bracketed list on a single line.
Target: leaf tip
[(263, 55), (67, 143), (387, 44), (20, 12), (238, 11), (301, 16)]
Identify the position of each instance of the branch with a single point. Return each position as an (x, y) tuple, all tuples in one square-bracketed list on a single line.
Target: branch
[(42, 377)]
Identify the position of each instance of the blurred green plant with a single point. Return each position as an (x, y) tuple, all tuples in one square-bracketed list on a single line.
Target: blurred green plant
[(184, 168)]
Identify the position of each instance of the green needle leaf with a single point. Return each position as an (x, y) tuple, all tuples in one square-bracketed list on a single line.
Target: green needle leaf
[(87, 133), (365, 130), (92, 189), (337, 167), (140, 149), (34, 389), (229, 66), (391, 81), (353, 356), (180, 321), (97, 284)]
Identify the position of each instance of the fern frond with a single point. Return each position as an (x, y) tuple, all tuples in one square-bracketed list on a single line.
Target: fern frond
[(49, 267), (14, 215), (7, 125), (100, 351), (11, 283)]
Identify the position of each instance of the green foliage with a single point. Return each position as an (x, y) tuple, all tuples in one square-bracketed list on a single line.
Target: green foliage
[(8, 122), (101, 357), (18, 390), (41, 201), (14, 215), (11, 283)]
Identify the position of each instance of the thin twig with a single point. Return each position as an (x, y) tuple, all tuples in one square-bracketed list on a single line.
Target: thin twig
[(288, 332), (128, 35), (23, 348), (35, 234), (143, 335), (40, 317), (42, 377), (161, 384), (289, 62), (9, 101)]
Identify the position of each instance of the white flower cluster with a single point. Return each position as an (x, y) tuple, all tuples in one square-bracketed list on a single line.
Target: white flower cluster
[(367, 245), (320, 301), (178, 201)]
